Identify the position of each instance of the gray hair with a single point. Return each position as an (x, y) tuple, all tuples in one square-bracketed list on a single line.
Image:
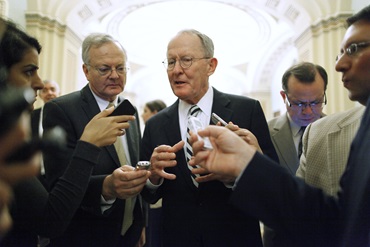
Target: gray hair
[(97, 40), (207, 43)]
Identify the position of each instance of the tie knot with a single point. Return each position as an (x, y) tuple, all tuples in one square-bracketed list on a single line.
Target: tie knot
[(194, 110), (110, 105), (302, 129)]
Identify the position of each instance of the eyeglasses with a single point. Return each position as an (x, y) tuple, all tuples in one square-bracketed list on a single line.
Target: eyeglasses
[(185, 62), (314, 105), (105, 70), (352, 49)]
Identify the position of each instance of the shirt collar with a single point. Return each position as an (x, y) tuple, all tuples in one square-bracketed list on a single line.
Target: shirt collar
[(101, 102), (205, 103), (295, 128)]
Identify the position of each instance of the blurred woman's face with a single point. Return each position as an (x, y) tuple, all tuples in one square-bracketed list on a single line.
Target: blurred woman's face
[(147, 114)]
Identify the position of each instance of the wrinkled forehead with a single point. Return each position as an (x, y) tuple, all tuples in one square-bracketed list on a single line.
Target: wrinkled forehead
[(185, 44)]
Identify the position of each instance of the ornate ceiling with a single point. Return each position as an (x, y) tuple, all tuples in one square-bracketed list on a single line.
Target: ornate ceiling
[(252, 37)]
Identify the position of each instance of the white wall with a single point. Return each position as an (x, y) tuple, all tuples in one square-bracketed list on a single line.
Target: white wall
[(359, 4), (17, 9)]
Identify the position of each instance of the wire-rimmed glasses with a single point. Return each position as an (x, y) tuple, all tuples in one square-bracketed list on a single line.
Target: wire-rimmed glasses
[(352, 49), (314, 105), (185, 62), (105, 70)]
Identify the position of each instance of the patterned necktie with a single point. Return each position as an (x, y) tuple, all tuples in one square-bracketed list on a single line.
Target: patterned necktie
[(129, 202), (193, 111), (301, 131)]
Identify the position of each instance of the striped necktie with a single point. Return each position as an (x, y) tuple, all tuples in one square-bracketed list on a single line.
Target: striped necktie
[(193, 111)]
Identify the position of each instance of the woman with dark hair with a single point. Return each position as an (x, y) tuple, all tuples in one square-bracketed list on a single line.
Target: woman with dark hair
[(36, 212), (151, 108)]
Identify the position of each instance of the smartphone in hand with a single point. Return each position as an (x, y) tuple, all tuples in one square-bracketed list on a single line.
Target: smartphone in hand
[(216, 119), (124, 108)]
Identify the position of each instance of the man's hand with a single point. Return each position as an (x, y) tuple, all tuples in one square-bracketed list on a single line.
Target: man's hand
[(229, 156), (163, 156), (125, 182), (245, 134)]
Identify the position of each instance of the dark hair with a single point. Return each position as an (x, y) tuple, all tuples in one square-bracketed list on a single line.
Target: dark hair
[(14, 43), (156, 105), (305, 72), (363, 14)]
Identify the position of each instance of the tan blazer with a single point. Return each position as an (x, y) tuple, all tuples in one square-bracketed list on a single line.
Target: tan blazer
[(326, 146)]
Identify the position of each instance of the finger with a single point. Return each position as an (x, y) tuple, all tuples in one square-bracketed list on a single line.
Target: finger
[(105, 112), (205, 178), (199, 170), (197, 145), (166, 175), (178, 146), (201, 157), (124, 118)]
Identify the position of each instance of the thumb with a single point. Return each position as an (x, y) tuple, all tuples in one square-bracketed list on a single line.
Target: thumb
[(105, 112)]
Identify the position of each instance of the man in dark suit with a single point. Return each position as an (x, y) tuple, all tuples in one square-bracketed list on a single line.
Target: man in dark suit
[(306, 214), (195, 213), (103, 216)]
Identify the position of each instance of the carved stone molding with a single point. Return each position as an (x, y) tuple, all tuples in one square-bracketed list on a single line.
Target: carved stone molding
[(45, 23)]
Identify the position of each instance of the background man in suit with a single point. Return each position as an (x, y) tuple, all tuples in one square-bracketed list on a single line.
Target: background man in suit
[(326, 146), (50, 91), (314, 218), (114, 184), (197, 214), (303, 93)]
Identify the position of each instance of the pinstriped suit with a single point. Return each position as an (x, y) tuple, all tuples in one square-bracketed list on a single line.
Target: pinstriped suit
[(326, 145)]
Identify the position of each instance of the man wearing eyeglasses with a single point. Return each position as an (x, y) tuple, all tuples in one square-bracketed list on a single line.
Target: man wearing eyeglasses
[(196, 211), (303, 93), (111, 212), (314, 218)]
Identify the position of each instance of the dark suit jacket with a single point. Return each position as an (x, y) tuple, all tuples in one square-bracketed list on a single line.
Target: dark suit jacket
[(306, 215), (203, 216), (89, 227), (35, 120)]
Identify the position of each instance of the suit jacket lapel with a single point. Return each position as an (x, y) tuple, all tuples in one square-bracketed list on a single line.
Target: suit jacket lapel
[(286, 144), (173, 135), (220, 103), (91, 108)]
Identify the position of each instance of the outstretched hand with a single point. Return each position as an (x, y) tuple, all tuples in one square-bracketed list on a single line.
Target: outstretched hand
[(229, 156), (164, 156)]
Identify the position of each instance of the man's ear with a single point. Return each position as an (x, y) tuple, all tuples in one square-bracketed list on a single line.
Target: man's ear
[(212, 65), (86, 71), (283, 95)]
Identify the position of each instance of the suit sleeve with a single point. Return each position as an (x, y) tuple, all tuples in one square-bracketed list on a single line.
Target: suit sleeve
[(281, 201), (73, 122), (49, 214)]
